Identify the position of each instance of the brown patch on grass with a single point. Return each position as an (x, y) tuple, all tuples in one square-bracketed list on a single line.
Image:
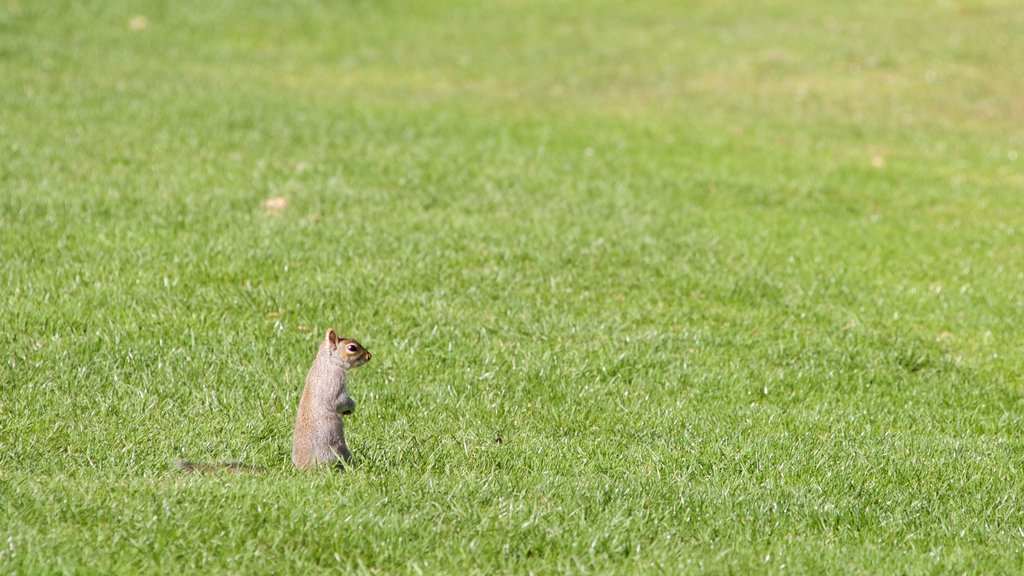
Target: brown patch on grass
[(275, 205), (877, 155), (138, 23)]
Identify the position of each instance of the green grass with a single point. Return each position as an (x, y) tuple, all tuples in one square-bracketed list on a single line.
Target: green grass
[(710, 287)]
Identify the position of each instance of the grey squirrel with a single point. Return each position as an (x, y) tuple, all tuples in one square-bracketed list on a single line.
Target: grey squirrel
[(319, 436)]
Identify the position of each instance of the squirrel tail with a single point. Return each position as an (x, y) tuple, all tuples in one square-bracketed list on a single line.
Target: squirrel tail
[(201, 468)]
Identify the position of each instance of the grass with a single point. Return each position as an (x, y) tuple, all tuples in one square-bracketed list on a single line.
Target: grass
[(718, 287)]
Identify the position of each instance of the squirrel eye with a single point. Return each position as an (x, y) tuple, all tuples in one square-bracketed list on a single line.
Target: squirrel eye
[(352, 348)]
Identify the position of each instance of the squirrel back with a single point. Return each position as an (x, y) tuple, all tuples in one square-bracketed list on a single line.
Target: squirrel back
[(319, 436)]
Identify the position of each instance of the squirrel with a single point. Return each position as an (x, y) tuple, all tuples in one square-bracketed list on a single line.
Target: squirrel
[(319, 437)]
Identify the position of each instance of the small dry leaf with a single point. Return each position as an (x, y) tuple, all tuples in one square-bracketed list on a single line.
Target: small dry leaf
[(878, 161), (275, 205), (138, 23)]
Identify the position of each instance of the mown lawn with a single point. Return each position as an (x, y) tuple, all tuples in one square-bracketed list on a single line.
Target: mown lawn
[(651, 287)]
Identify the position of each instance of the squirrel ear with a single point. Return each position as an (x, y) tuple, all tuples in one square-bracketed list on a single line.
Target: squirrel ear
[(332, 337)]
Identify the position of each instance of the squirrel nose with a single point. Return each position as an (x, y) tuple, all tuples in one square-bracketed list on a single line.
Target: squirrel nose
[(368, 356)]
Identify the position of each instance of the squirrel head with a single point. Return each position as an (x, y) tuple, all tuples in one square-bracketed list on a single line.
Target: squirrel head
[(347, 350)]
